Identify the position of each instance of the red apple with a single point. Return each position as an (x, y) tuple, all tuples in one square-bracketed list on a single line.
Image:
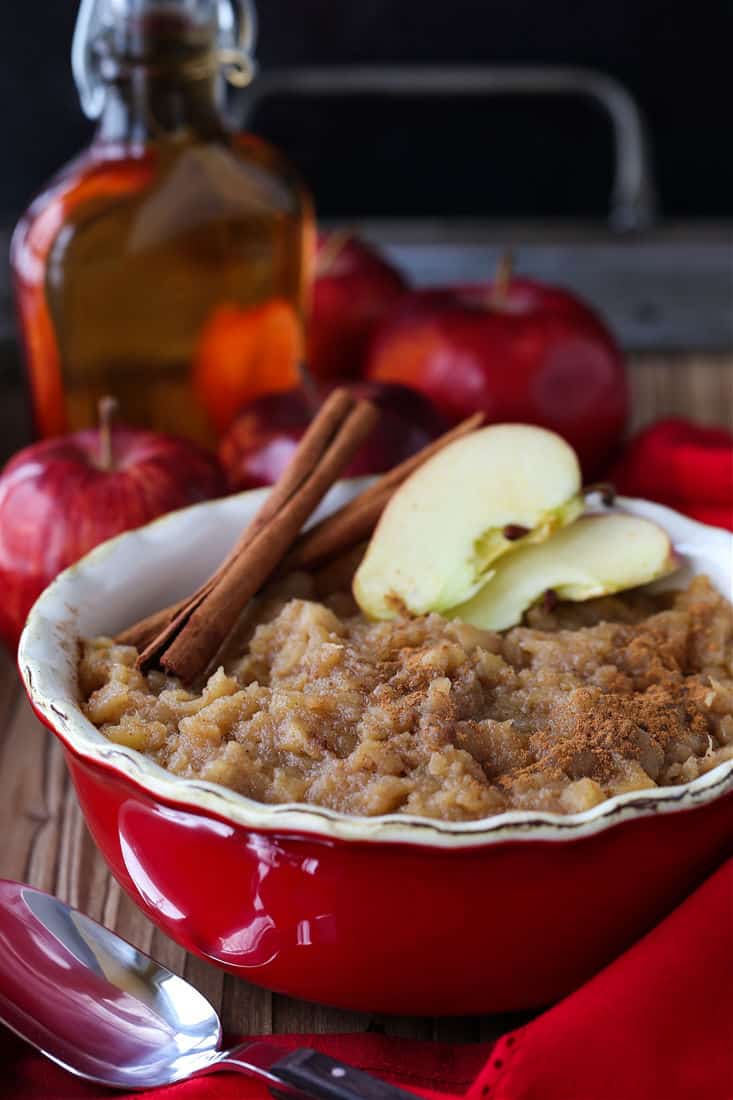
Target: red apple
[(61, 497), (262, 439), (516, 350), (353, 290)]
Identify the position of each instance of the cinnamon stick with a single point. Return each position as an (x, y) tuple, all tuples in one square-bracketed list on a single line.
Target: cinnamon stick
[(333, 411), (190, 641), (356, 520), (142, 633)]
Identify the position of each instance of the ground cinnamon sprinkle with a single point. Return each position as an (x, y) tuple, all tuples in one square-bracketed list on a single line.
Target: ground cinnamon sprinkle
[(431, 717), (628, 727)]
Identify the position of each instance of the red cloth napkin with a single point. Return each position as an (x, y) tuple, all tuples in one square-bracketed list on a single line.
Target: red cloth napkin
[(683, 465), (657, 1024)]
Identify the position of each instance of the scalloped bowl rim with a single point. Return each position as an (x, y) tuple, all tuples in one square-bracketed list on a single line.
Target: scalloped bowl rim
[(48, 654)]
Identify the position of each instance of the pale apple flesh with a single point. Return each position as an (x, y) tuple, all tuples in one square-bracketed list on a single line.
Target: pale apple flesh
[(596, 556), (444, 529)]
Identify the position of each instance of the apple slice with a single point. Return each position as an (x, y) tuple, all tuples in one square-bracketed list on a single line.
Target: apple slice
[(595, 556), (490, 492)]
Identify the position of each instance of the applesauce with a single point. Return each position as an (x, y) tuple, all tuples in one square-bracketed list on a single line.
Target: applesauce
[(314, 703)]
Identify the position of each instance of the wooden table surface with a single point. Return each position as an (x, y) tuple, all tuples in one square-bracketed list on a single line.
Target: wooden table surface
[(43, 839)]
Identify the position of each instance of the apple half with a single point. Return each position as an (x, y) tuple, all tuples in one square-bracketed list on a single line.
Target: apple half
[(441, 533), (595, 556)]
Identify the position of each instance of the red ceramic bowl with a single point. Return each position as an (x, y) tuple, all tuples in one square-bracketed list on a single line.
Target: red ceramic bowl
[(391, 914)]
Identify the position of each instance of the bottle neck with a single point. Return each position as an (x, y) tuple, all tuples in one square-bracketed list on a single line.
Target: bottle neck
[(146, 108), (163, 82)]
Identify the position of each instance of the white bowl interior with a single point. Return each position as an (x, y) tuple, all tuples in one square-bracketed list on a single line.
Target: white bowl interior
[(142, 570)]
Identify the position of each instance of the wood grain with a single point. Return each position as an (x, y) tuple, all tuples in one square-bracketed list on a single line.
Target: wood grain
[(44, 840), (700, 387)]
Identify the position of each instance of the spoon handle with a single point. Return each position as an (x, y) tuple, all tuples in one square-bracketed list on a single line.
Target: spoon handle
[(323, 1077)]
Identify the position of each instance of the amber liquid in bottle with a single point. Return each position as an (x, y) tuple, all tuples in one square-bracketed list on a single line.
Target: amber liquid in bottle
[(168, 260)]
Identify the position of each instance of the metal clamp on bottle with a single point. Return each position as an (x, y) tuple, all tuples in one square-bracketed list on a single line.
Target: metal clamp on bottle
[(234, 21)]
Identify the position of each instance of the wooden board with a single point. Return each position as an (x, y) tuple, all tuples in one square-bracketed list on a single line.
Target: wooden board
[(44, 840)]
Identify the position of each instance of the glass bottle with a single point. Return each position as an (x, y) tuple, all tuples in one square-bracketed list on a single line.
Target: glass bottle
[(170, 261)]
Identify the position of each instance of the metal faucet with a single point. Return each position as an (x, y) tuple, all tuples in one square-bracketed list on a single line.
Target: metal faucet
[(632, 201)]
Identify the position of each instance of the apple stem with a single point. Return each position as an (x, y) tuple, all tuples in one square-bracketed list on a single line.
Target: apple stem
[(334, 243), (106, 409), (310, 388), (502, 279)]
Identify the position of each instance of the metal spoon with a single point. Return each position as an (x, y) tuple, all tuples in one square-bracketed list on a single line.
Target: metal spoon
[(94, 1004)]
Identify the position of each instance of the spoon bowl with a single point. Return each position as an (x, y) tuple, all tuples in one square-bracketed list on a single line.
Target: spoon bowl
[(101, 1009), (92, 1002)]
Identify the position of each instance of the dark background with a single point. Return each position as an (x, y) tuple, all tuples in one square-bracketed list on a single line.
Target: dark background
[(484, 156)]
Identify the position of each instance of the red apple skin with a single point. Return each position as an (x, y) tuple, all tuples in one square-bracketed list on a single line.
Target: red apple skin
[(56, 503), (353, 291), (261, 441), (541, 357)]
